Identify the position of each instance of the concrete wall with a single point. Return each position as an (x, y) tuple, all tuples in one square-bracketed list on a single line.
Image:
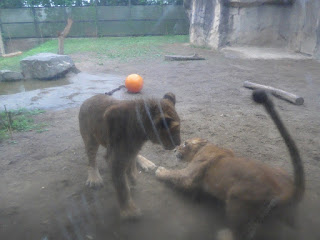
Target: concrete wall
[(202, 27), (259, 26), (269, 23), (305, 27)]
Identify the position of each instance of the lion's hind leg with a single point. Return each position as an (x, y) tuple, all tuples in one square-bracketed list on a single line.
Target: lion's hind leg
[(239, 221), (245, 217), (94, 178)]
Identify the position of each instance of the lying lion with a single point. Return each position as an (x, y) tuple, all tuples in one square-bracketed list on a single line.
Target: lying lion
[(123, 127), (251, 189)]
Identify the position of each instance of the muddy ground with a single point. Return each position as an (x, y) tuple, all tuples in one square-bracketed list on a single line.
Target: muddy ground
[(42, 188)]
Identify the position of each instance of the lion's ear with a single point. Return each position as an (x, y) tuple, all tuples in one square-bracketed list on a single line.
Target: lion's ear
[(111, 112), (171, 97), (115, 115), (116, 121)]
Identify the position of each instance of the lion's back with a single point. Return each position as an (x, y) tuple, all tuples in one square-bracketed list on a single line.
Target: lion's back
[(91, 112)]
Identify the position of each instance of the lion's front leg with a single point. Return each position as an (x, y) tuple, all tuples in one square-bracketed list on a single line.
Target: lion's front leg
[(132, 172), (119, 177), (179, 178), (94, 179), (145, 164), (188, 178)]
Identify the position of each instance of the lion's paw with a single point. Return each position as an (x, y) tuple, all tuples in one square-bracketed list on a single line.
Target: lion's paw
[(225, 234), (145, 164), (94, 179), (161, 172), (131, 213)]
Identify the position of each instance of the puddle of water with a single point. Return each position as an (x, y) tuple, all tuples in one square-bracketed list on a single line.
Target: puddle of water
[(7, 88), (77, 88)]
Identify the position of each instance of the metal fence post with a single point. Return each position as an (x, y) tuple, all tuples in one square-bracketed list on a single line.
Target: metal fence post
[(130, 5), (97, 19), (2, 49), (36, 25)]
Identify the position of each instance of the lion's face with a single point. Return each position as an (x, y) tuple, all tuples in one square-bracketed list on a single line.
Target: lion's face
[(166, 123), (189, 148)]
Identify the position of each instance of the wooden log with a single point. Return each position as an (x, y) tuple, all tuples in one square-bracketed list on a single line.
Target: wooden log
[(12, 54), (276, 92), (182, 58)]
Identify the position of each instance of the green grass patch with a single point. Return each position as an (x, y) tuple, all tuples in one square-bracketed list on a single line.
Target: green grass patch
[(18, 121), (121, 48)]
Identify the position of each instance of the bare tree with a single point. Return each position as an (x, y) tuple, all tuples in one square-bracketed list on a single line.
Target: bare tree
[(63, 34)]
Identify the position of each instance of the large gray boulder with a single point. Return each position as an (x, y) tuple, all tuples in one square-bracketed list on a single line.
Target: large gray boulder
[(46, 66), (10, 76)]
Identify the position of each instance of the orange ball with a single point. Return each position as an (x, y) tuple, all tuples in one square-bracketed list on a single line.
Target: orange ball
[(134, 83)]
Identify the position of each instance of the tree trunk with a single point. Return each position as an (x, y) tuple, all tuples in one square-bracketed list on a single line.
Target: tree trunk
[(62, 36)]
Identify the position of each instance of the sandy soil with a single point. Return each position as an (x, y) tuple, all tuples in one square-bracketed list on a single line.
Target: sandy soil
[(43, 192)]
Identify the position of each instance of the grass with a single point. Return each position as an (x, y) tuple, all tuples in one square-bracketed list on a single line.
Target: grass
[(121, 48), (18, 121)]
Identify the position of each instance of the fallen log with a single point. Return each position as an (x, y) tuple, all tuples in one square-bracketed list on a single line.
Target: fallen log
[(276, 92), (12, 54), (182, 58)]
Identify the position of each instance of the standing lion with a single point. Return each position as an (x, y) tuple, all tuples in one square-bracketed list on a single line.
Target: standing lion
[(123, 127)]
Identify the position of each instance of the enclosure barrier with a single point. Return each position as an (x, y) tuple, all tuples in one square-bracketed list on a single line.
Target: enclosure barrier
[(94, 21)]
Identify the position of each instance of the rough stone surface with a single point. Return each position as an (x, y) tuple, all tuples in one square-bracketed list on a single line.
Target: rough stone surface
[(251, 3), (294, 25), (10, 76), (305, 27), (202, 22), (259, 26), (46, 66)]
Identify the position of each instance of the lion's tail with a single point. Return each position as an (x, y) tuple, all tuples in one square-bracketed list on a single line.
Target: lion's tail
[(260, 96)]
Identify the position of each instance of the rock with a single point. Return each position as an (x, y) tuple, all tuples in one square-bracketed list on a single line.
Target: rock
[(46, 66), (10, 76)]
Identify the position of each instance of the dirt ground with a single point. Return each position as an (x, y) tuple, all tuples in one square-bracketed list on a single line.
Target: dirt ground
[(42, 188)]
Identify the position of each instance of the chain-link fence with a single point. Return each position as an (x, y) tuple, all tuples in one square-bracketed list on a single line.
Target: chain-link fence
[(94, 21)]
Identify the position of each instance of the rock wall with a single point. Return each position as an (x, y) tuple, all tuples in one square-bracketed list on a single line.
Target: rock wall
[(305, 27), (293, 24), (259, 25)]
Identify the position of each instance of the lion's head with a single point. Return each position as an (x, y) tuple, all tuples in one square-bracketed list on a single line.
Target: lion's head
[(165, 122), (189, 148)]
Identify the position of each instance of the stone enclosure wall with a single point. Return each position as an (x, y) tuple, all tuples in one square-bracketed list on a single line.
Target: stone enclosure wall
[(293, 24)]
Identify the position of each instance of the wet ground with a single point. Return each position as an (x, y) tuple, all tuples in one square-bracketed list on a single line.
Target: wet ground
[(43, 193), (50, 95), (7, 88)]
